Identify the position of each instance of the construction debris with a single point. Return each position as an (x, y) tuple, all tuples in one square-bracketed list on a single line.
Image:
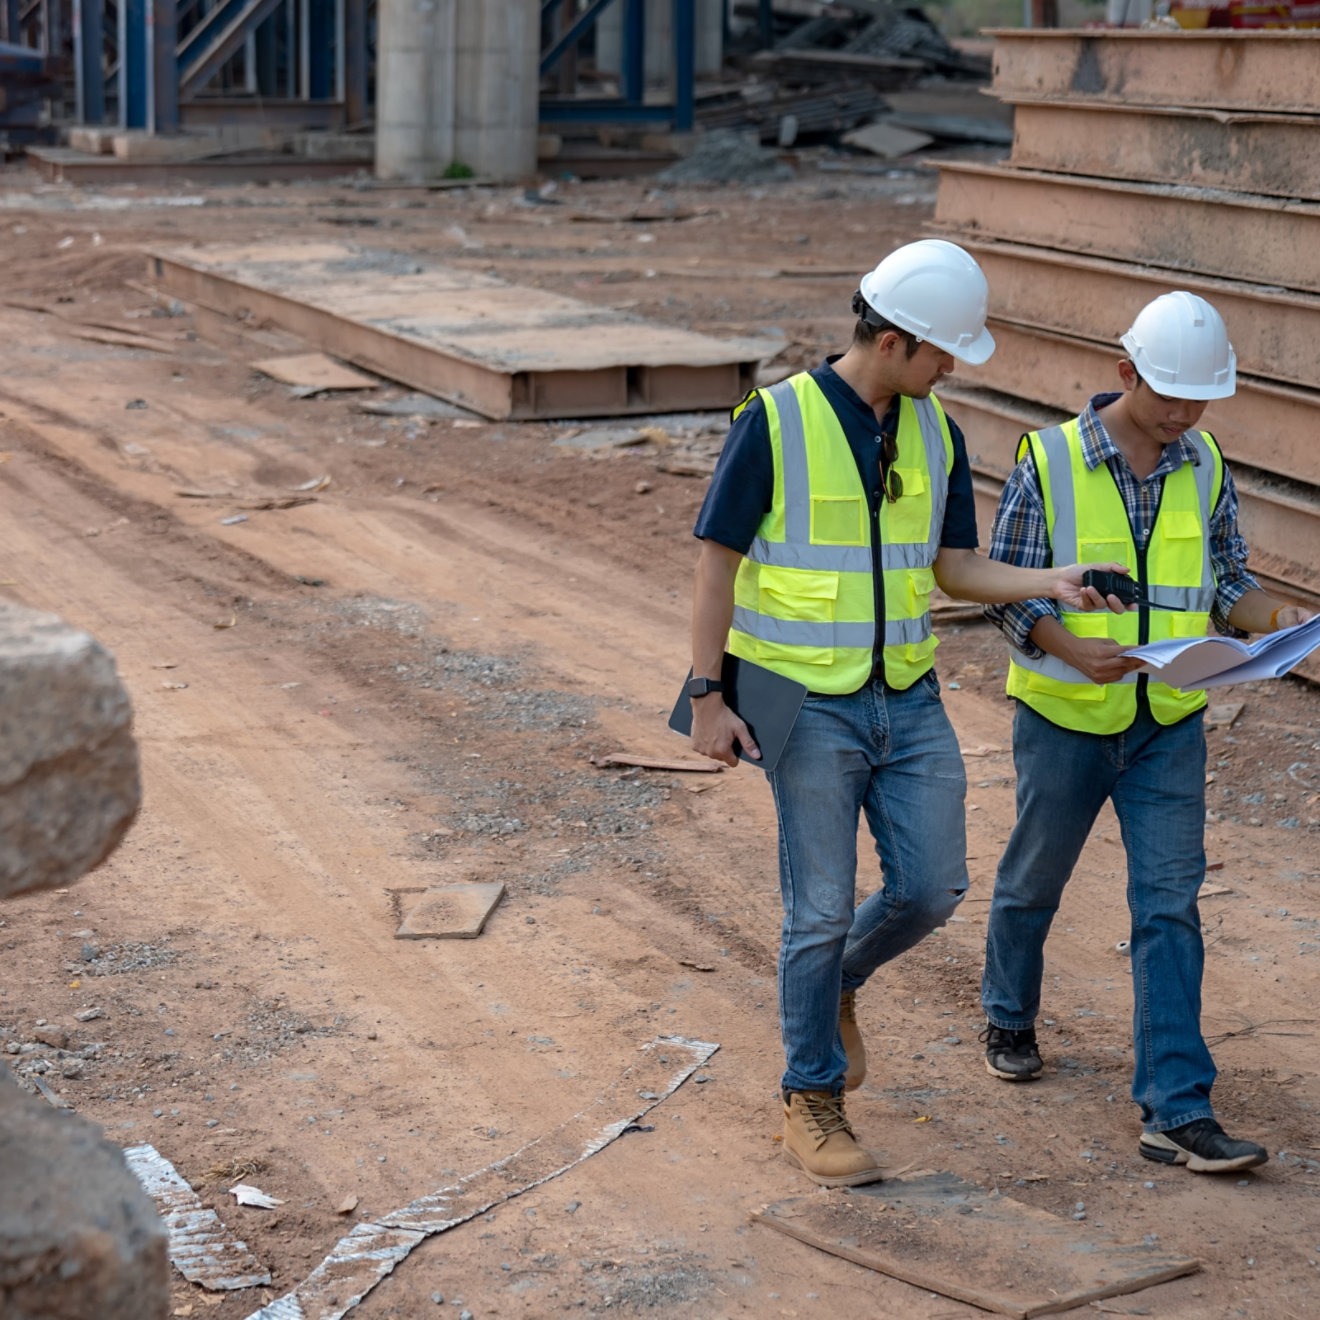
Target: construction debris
[(315, 371), (200, 1246)]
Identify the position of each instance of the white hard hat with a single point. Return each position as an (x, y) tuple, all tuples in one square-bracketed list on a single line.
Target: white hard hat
[(936, 291), (1179, 347)]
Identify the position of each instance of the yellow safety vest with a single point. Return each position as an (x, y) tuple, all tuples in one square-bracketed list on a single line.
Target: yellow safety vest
[(804, 597), (1088, 522)]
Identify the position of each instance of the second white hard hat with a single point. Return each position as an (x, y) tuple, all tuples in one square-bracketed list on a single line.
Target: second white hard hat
[(1180, 348), (935, 290)]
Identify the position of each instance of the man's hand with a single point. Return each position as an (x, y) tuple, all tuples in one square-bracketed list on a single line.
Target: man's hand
[(1070, 592), (715, 729), (1100, 659), (1290, 616)]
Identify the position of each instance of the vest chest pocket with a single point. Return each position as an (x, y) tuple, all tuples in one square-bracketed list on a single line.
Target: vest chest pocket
[(837, 520), (1181, 549), (907, 520), (1105, 552)]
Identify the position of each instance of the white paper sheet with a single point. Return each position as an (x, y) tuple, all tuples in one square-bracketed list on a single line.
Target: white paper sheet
[(1206, 662)]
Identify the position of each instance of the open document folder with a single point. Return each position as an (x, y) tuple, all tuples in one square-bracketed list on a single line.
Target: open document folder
[(1206, 662)]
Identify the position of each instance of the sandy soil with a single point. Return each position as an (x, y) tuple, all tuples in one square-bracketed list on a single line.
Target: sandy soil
[(403, 681)]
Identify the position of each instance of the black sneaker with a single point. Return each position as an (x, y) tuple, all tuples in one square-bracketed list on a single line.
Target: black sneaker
[(1203, 1146), (1012, 1055)]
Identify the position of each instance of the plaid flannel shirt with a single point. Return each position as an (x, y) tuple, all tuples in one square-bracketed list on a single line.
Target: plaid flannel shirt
[(1020, 536)]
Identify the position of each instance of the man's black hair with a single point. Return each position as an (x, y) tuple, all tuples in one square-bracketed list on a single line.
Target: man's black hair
[(871, 325)]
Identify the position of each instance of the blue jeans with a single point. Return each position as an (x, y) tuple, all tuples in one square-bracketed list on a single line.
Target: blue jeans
[(894, 756), (1155, 776)]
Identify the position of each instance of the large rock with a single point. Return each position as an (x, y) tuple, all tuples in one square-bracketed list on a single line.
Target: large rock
[(69, 783), (79, 1238)]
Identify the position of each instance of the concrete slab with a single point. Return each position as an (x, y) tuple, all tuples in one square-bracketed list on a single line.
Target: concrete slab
[(143, 146), (887, 140), (450, 912)]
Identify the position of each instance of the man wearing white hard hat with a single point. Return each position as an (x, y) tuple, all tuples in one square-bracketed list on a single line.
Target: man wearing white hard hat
[(1131, 479), (842, 496)]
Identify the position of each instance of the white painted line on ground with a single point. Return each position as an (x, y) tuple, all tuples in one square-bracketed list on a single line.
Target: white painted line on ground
[(363, 1258), (200, 1245)]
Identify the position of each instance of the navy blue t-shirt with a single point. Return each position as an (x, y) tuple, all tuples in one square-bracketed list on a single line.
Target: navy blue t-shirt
[(742, 489)]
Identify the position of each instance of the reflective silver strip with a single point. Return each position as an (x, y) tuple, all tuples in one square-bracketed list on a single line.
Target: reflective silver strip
[(899, 632), (932, 437), (1205, 492), (1058, 466), (793, 448), (1199, 599), (912, 554), (1050, 666), (803, 632), (824, 558)]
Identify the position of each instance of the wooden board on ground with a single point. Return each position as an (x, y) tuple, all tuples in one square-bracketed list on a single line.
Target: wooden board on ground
[(450, 912), (937, 1232), (314, 370), (503, 350)]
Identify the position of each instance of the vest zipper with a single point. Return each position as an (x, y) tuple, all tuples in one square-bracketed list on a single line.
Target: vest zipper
[(878, 590)]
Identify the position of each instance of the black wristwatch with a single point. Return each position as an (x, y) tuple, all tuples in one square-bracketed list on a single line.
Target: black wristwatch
[(701, 687)]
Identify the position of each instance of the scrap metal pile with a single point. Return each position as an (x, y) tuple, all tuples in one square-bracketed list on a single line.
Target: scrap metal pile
[(826, 72)]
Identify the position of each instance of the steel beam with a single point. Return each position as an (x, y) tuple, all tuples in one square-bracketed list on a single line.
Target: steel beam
[(1218, 69), (1273, 154), (1259, 239), (320, 50), (1271, 427), (134, 64), (89, 70), (217, 39), (1274, 332), (1281, 526), (685, 53), (354, 62), (163, 66)]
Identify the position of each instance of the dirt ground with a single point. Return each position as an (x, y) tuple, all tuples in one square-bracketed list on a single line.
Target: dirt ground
[(402, 681)]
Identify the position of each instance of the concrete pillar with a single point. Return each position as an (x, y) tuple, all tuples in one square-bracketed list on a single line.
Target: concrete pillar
[(498, 87), (660, 40), (457, 82)]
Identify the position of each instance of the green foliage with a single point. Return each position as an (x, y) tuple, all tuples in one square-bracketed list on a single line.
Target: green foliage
[(456, 169)]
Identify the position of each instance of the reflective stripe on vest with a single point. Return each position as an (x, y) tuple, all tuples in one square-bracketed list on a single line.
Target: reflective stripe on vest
[(788, 614), (1057, 690)]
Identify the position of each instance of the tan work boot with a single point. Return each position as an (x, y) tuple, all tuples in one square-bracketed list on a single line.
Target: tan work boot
[(819, 1139), (852, 1041)]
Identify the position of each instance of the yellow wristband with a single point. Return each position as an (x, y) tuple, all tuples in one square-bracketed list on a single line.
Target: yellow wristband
[(1274, 620)]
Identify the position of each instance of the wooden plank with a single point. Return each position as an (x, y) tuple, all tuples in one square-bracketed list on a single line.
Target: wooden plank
[(314, 370), (1226, 70), (500, 349), (1271, 154), (1274, 331), (937, 1232), (1234, 235), (1271, 427)]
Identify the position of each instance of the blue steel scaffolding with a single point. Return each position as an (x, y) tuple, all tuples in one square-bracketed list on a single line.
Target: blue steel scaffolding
[(163, 65)]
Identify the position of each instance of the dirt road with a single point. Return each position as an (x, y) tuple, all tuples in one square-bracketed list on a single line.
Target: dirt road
[(402, 680)]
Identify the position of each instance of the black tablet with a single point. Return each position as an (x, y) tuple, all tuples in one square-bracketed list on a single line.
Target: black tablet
[(767, 702)]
